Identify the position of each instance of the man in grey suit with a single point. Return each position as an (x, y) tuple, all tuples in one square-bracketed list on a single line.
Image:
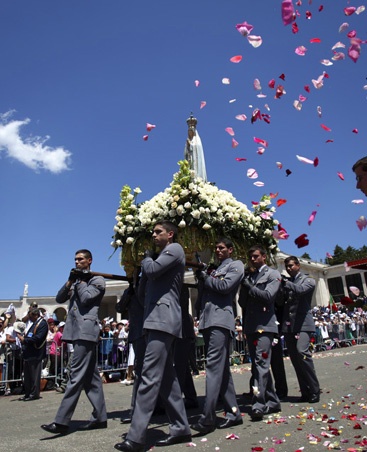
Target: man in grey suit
[(217, 325), (259, 292), (297, 326), (161, 284), (85, 293)]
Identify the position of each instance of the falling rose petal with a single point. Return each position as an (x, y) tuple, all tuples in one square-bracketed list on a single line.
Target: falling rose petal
[(302, 98), (197, 83), (307, 88), (279, 165), (230, 131), (325, 128), (343, 27), (279, 92), (252, 173), (338, 45), (326, 62), (338, 56), (329, 141), (232, 436), (315, 40), (236, 59), (301, 50), (321, 7), (355, 130), (241, 117), (297, 105), (302, 241), (191, 445), (288, 172), (347, 269), (281, 234), (150, 127), (340, 175), (312, 217), (361, 223), (241, 159), (273, 195), (232, 100), (308, 15), (355, 290), (255, 41), (304, 159), (268, 108), (295, 28), (271, 83), (318, 83), (360, 9), (352, 34), (329, 256), (315, 162), (261, 141), (281, 201), (244, 28), (288, 13), (349, 10), (145, 137), (282, 76), (257, 84), (202, 104), (260, 150), (354, 51), (357, 201), (259, 184), (234, 143), (226, 81), (319, 111)]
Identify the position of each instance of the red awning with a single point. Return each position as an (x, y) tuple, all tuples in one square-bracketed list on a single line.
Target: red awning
[(360, 264)]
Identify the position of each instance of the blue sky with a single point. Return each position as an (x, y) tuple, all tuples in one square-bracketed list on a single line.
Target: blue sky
[(80, 80)]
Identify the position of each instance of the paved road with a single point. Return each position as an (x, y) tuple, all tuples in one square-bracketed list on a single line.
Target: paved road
[(339, 421)]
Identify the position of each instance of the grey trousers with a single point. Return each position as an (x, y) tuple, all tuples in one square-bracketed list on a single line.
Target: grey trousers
[(301, 357), (83, 375), (158, 378), (139, 347), (218, 376), (32, 377), (264, 396)]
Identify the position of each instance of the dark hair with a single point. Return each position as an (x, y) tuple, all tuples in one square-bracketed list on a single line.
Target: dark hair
[(169, 227), (34, 311), (257, 248), (227, 242), (361, 162), (86, 253), (291, 258)]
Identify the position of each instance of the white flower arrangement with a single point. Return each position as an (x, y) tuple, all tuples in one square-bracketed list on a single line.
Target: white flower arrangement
[(202, 213)]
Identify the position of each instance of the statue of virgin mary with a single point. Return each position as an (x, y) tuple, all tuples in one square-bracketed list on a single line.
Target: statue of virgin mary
[(194, 152)]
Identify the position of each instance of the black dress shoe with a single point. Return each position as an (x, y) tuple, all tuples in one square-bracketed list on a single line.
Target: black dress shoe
[(170, 440), (303, 398), (126, 420), (94, 425), (23, 398), (203, 429), (55, 428), (191, 404), (30, 398), (130, 446), (257, 415), (230, 423), (314, 398), (270, 410)]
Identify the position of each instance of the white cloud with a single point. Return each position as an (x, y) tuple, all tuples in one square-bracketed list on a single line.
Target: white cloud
[(32, 151)]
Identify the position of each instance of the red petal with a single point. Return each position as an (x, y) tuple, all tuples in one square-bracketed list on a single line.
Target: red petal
[(280, 202), (236, 59), (340, 175), (355, 130), (271, 83), (240, 159), (282, 76), (294, 28), (316, 162), (326, 128), (307, 88), (315, 40), (145, 137)]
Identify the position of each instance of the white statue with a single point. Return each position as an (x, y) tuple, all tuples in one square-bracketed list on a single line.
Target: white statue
[(25, 291), (194, 152)]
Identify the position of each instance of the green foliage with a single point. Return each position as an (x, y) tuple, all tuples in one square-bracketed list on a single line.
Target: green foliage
[(341, 255)]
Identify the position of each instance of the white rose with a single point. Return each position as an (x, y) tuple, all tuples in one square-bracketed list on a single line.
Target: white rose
[(180, 210), (172, 213), (118, 242), (182, 224), (129, 240), (196, 214), (187, 205), (206, 226), (137, 190)]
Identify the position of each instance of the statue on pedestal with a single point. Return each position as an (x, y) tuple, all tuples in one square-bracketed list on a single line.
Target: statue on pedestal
[(194, 152)]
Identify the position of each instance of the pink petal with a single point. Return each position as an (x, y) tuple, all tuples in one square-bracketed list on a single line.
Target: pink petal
[(349, 10), (226, 81), (257, 84), (361, 223), (343, 27), (354, 50), (280, 235), (260, 150), (347, 269), (259, 184), (326, 62), (301, 50), (360, 9), (325, 128), (340, 175), (241, 159), (244, 28), (357, 201), (338, 45), (329, 256), (315, 41), (271, 83), (352, 34), (302, 98), (234, 143), (230, 131), (197, 83), (338, 56), (202, 104), (288, 14), (355, 130), (312, 217), (252, 173), (145, 137), (150, 127), (236, 59), (255, 41), (262, 142), (279, 165), (304, 160), (241, 117)]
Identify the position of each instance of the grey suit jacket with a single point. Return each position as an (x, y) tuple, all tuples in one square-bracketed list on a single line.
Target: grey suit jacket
[(161, 282), (219, 291), (297, 314), (82, 322), (258, 303)]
